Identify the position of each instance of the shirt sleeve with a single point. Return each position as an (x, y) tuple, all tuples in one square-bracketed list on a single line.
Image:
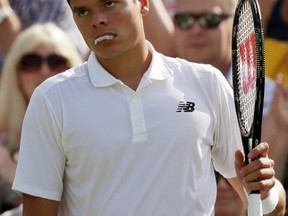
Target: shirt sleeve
[(41, 161), (227, 138)]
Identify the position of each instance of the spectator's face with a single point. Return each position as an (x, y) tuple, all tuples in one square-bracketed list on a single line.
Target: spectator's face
[(34, 67), (110, 28), (204, 45)]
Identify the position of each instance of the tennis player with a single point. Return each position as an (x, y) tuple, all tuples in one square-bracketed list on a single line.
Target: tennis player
[(133, 132)]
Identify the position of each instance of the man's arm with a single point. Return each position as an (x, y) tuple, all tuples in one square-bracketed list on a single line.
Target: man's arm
[(280, 208), (263, 169), (35, 206), (238, 187), (10, 25)]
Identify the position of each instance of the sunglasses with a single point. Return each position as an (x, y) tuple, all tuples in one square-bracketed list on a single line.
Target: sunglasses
[(33, 62), (206, 20)]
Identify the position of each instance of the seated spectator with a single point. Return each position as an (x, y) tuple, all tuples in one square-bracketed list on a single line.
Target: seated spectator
[(38, 52)]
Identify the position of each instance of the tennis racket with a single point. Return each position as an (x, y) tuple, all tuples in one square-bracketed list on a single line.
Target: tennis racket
[(248, 66)]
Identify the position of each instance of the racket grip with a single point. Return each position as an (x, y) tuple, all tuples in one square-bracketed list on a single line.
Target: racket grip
[(254, 205)]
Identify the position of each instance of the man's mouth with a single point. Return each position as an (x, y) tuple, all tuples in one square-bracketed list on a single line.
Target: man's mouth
[(103, 38)]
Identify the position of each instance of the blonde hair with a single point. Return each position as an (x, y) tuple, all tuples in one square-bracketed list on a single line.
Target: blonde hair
[(12, 102)]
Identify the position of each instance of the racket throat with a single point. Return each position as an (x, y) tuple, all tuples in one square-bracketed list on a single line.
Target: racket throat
[(250, 147), (247, 145)]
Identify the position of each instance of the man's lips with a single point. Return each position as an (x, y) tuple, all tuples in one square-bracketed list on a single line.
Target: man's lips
[(103, 38), (197, 45)]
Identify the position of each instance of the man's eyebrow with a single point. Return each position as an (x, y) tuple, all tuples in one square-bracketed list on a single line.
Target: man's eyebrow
[(77, 9)]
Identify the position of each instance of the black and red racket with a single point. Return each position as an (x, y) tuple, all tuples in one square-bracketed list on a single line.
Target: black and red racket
[(248, 65)]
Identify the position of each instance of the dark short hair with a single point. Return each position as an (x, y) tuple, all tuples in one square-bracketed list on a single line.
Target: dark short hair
[(68, 2)]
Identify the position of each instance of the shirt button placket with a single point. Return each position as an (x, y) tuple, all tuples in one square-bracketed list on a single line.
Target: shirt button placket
[(137, 118)]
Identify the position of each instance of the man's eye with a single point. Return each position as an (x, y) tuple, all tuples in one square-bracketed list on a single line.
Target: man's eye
[(82, 12), (110, 4)]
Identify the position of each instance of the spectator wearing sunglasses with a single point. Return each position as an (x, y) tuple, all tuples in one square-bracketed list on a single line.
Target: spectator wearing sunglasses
[(16, 16), (38, 52)]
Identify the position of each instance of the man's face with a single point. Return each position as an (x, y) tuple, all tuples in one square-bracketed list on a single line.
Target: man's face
[(200, 44), (110, 28)]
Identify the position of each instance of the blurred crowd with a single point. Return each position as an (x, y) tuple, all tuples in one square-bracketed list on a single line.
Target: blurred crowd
[(38, 39)]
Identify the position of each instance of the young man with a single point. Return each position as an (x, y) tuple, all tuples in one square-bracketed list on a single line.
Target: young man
[(132, 132)]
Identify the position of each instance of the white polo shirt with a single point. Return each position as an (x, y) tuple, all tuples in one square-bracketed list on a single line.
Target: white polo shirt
[(100, 148)]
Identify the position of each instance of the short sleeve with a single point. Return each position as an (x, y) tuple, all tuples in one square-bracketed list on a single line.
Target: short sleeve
[(227, 138), (41, 160)]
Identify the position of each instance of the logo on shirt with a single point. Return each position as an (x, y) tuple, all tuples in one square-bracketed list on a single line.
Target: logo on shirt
[(186, 106)]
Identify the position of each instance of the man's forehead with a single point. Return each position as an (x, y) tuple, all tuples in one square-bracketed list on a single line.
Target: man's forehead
[(217, 6)]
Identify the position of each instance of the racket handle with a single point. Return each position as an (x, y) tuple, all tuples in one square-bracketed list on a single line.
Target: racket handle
[(254, 205)]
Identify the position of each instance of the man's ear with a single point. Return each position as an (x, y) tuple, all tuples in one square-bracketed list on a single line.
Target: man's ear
[(144, 6)]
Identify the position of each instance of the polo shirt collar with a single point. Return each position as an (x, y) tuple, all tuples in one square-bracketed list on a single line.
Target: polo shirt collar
[(101, 78), (158, 70)]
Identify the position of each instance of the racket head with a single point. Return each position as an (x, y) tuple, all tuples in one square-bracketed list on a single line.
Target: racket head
[(248, 66)]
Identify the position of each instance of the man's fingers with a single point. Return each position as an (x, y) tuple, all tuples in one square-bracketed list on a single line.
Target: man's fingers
[(259, 151)]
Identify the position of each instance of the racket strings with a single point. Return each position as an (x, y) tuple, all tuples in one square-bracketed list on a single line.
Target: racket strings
[(247, 71)]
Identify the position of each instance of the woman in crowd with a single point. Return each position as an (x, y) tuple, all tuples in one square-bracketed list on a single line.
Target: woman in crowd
[(38, 52)]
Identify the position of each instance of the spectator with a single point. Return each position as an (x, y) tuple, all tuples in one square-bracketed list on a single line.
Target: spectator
[(40, 51)]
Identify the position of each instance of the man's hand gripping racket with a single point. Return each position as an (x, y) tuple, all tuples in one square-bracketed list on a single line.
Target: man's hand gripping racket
[(248, 65)]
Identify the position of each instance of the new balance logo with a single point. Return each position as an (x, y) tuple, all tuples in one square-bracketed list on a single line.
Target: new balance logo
[(186, 106)]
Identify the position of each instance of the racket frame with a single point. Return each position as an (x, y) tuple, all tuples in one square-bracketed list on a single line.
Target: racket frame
[(251, 138)]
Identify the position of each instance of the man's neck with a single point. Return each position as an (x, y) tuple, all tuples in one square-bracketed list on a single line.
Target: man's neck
[(129, 68)]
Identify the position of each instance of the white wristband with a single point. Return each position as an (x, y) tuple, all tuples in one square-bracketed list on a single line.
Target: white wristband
[(271, 201)]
